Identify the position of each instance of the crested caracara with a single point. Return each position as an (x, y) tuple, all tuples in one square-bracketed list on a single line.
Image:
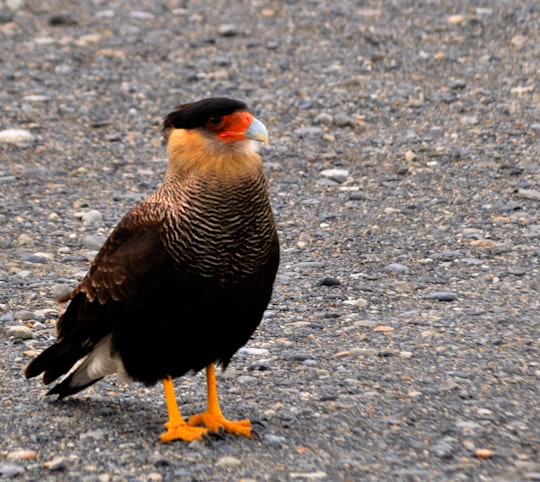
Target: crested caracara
[(183, 280)]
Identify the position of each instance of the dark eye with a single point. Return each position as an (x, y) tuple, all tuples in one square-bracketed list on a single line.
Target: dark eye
[(214, 121)]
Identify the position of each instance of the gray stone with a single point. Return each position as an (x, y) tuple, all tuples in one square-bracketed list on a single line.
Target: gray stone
[(329, 281), (324, 118), (157, 459), (274, 440), (307, 131), (342, 120), (396, 268), (442, 296), (338, 175), (11, 470), (19, 332), (93, 241), (24, 315), (531, 194), (56, 463), (228, 30), (443, 448), (34, 258), (91, 217)]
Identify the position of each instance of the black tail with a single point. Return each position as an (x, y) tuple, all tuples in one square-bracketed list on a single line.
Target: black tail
[(66, 387), (54, 361)]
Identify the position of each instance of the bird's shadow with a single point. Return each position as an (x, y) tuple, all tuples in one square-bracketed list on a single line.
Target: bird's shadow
[(123, 416)]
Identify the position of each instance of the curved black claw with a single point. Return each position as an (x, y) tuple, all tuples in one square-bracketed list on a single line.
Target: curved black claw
[(257, 433), (220, 435)]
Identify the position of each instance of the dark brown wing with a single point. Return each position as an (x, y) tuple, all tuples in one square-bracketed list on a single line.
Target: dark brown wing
[(132, 257)]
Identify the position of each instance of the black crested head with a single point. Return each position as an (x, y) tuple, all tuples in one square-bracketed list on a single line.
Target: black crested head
[(196, 114)]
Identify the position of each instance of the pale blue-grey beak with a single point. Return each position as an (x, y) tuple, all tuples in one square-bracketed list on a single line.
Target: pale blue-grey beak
[(257, 131)]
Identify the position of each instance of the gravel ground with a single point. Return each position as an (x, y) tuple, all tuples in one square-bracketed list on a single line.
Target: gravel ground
[(402, 340)]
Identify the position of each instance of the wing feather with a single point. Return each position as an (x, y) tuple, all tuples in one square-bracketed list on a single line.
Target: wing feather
[(132, 251)]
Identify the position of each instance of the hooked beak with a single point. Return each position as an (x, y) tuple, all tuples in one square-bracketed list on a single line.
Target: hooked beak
[(257, 131)]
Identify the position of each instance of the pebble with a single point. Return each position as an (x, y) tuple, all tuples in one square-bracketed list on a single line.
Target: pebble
[(442, 296), (10, 470), (14, 4), (91, 217), (483, 243), (5, 16), (56, 463), (396, 268), (358, 302), (467, 425), (62, 20), (228, 30), (35, 258), (307, 132), (309, 475), (455, 19), (247, 350), (228, 462), (25, 240), (5, 243), (443, 448), (36, 98), (274, 440), (357, 196), (17, 137), (365, 323), (93, 241), (405, 354), (484, 453), (473, 261), (19, 332), (22, 455), (363, 352), (324, 118), (24, 315), (329, 281), (157, 459), (139, 14), (458, 84), (93, 434), (342, 120), (410, 156), (338, 175), (530, 194)]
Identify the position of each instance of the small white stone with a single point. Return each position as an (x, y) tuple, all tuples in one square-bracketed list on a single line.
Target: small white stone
[(228, 462), (36, 98), (253, 351), (18, 137), (410, 156), (14, 4), (91, 217), (338, 175), (359, 302), (57, 463)]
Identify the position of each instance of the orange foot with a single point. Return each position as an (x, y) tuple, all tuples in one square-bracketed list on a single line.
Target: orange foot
[(181, 431), (217, 422)]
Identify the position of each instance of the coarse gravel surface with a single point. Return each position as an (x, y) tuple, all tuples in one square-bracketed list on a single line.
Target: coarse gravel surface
[(402, 339)]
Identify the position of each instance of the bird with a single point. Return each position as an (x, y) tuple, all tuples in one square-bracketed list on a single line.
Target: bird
[(183, 280)]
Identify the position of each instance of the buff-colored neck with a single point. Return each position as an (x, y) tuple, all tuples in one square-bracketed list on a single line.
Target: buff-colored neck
[(193, 153)]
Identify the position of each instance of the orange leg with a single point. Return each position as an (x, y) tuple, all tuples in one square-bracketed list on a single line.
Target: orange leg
[(177, 428), (212, 418)]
